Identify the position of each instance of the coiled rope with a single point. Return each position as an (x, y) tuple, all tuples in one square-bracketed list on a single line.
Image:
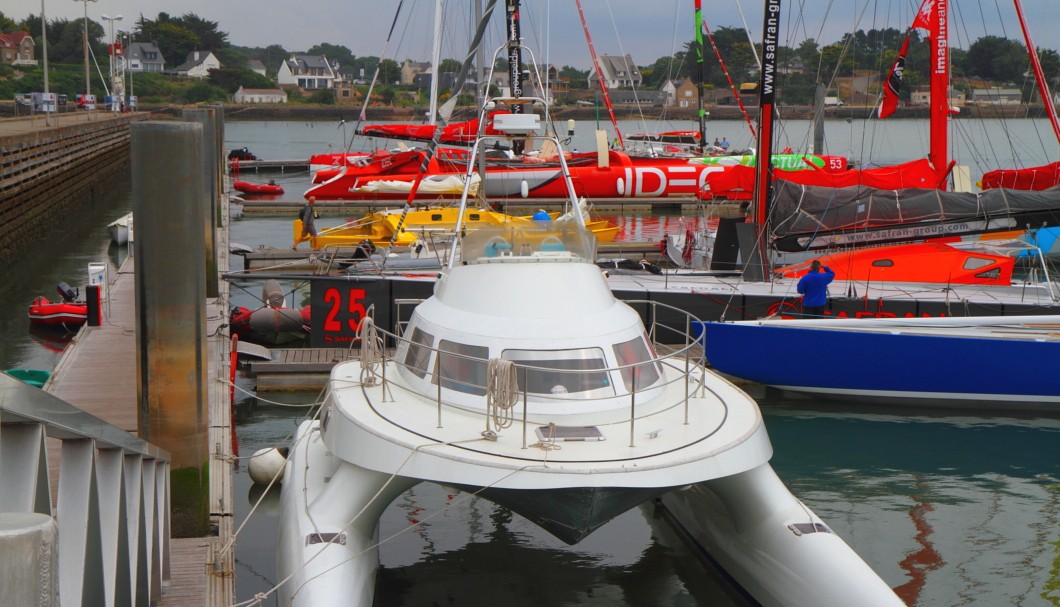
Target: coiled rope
[(502, 392), (371, 349)]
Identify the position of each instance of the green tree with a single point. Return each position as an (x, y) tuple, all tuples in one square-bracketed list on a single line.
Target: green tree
[(178, 37), (202, 92), (576, 77), (336, 54), (389, 70), (7, 25), (323, 97), (996, 58), (387, 94), (230, 79)]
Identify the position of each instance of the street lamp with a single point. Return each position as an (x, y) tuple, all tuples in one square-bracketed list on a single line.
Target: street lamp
[(88, 90), (127, 48)]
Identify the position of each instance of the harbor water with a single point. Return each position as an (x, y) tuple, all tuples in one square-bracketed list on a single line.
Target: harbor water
[(950, 508)]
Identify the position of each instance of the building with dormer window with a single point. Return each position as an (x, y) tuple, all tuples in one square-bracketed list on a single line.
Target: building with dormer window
[(17, 49), (618, 72), (308, 72), (145, 57)]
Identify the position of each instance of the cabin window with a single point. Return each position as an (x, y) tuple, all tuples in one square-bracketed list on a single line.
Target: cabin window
[(564, 373), (419, 353), (462, 367), (974, 263), (474, 217), (436, 216), (632, 352), (995, 273), (883, 263)]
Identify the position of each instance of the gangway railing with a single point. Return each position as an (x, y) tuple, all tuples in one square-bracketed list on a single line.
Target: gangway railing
[(109, 532)]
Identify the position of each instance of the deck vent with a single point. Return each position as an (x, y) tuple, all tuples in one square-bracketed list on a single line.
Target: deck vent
[(804, 528), (325, 538)]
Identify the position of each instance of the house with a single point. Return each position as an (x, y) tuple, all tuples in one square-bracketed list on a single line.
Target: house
[(922, 96), (198, 64), (256, 66), (345, 94), (686, 94), (259, 96), (792, 65), (411, 69), (307, 72), (634, 98), (669, 92), (618, 72), (17, 49), (997, 96), (145, 57)]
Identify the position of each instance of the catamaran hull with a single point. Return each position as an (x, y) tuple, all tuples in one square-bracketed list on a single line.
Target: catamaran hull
[(329, 512), (772, 545), (749, 522)]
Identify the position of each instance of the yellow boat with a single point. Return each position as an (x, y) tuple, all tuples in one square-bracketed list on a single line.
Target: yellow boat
[(421, 224)]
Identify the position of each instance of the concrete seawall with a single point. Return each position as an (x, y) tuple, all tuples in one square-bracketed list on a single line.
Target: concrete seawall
[(47, 171)]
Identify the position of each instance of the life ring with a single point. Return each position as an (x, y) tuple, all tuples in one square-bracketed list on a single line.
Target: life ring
[(784, 309)]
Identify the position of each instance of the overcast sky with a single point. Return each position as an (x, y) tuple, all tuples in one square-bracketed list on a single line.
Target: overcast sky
[(646, 29)]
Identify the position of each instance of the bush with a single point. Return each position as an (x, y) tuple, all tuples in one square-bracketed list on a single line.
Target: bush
[(323, 97)]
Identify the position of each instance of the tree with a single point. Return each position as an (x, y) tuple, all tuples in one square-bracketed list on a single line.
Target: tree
[(389, 70), (230, 79), (178, 37), (996, 58), (336, 54), (7, 25), (66, 41), (323, 97), (203, 91), (577, 78)]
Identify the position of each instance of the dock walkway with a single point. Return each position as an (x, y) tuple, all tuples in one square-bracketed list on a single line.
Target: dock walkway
[(97, 374)]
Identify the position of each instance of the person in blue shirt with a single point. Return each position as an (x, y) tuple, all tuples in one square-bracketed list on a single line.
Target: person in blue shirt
[(725, 144), (814, 289)]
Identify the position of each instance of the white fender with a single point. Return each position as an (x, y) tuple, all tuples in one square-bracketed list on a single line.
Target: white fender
[(265, 464), (524, 189), (620, 185)]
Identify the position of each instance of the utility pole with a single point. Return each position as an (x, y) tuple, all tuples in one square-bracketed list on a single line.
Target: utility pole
[(88, 82)]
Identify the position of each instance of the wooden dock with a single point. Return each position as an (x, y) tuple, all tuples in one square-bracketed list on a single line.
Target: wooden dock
[(97, 374), (291, 369), (516, 206), (269, 166), (279, 260)]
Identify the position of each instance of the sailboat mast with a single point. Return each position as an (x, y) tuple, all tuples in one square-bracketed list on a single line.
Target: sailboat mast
[(1039, 75), (436, 58), (766, 102), (700, 75), (940, 93), (515, 62), (757, 264)]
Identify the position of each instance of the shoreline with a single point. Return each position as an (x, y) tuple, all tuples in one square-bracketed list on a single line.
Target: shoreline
[(234, 112)]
